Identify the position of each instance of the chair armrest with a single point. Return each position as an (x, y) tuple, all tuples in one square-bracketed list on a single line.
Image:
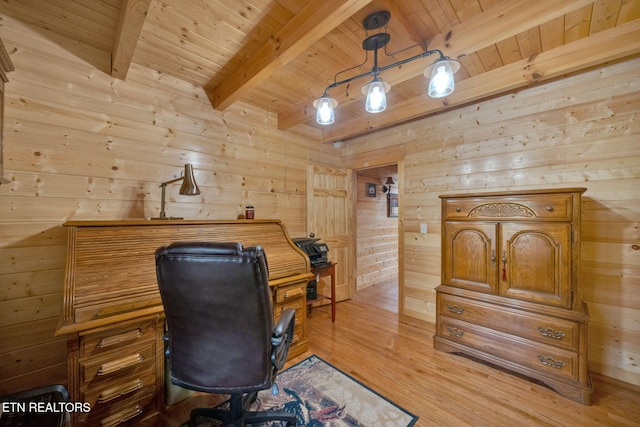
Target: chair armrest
[(284, 323), (282, 337)]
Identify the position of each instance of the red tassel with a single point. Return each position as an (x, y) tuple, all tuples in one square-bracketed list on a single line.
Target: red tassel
[(504, 274)]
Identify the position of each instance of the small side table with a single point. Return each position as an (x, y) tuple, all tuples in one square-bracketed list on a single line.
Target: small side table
[(324, 271)]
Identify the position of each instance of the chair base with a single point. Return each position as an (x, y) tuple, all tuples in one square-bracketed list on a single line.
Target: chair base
[(237, 416)]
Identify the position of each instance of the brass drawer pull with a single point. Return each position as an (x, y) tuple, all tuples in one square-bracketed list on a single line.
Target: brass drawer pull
[(549, 361), (454, 331), (455, 309), (120, 390), (118, 364), (551, 333), (117, 339), (121, 417)]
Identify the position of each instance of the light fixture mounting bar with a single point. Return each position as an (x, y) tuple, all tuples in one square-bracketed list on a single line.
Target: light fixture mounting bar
[(387, 67), (374, 21)]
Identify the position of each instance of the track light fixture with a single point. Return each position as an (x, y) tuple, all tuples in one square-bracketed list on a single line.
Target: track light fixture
[(440, 73)]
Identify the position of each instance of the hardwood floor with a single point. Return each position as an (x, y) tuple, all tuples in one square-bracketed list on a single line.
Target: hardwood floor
[(394, 356)]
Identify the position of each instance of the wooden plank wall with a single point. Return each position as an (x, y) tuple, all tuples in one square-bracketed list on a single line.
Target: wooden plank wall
[(82, 145), (377, 234), (581, 131)]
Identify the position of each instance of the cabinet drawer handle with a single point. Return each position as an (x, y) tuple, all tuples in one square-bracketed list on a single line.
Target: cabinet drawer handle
[(121, 417), (551, 333), (455, 309), (549, 208), (117, 339), (120, 390), (504, 265), (458, 209), (116, 365), (549, 361), (455, 332)]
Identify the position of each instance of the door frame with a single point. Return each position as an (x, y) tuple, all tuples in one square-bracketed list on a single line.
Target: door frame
[(400, 168)]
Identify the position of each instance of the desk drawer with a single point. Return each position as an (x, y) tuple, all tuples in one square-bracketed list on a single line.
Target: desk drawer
[(114, 338), (290, 292), (114, 392), (549, 360), (128, 412), (537, 327), (122, 364)]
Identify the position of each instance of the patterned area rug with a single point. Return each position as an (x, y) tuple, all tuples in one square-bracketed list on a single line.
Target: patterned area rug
[(322, 395)]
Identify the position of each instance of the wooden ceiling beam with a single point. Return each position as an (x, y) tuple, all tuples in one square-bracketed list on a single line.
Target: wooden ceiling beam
[(599, 48), (132, 16), (308, 26), (494, 25)]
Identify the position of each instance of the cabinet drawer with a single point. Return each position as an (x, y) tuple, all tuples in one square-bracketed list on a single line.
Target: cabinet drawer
[(549, 360), (114, 392), (126, 363), (128, 412), (545, 329), (543, 206), (114, 338), (289, 292)]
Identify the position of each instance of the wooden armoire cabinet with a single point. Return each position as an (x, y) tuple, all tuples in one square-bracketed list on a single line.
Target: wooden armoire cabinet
[(510, 292)]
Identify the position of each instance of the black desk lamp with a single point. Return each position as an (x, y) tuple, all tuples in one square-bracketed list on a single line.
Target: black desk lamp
[(188, 188)]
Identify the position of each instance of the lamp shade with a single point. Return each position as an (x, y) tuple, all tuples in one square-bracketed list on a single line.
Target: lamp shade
[(189, 186), (441, 81), (325, 114), (376, 96)]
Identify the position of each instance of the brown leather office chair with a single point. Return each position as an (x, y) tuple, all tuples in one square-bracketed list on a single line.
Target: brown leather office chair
[(221, 333)]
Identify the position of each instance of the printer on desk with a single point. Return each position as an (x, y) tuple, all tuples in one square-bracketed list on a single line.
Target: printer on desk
[(317, 252), (318, 257)]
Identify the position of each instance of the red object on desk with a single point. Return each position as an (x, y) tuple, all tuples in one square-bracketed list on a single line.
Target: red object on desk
[(324, 271)]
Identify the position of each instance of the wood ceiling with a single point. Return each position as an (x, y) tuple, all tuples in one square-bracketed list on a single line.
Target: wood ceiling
[(281, 54)]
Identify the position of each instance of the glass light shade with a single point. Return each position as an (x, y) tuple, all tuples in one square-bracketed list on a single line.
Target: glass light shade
[(441, 81), (376, 98), (325, 114)]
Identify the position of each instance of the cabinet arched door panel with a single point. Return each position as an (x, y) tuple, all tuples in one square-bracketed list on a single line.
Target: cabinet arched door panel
[(469, 256), (535, 262)]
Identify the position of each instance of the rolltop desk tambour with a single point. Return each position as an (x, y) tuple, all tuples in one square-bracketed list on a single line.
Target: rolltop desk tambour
[(112, 311), (510, 291)]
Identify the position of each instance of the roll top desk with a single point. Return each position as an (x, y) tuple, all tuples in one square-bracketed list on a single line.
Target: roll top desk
[(112, 312)]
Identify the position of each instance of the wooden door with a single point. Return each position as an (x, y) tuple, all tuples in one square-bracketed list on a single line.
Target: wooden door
[(535, 262), (331, 217), (469, 256)]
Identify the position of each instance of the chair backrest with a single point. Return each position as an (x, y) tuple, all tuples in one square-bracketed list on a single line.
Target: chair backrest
[(218, 309)]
